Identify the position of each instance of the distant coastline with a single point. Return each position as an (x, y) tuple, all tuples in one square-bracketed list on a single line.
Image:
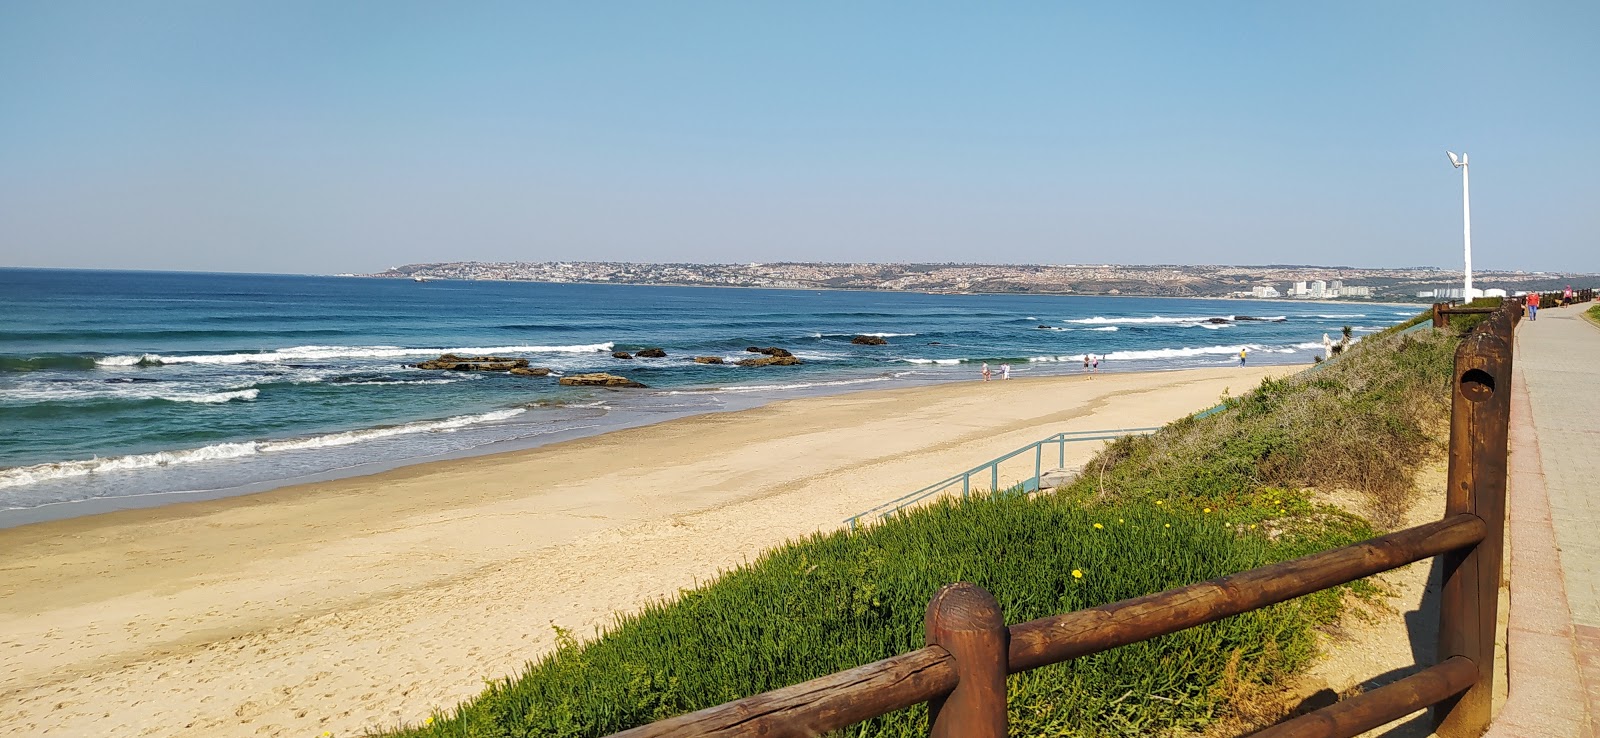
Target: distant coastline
[(1342, 284)]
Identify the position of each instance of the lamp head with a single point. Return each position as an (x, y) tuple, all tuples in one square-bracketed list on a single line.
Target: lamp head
[(1455, 161)]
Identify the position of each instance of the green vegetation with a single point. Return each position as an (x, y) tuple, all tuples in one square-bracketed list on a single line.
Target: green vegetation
[(1593, 314), (839, 600), (1363, 422), (1201, 498)]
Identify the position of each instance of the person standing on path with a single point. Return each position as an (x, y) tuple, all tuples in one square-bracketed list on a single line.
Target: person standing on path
[(985, 371), (1241, 357), (1533, 306)]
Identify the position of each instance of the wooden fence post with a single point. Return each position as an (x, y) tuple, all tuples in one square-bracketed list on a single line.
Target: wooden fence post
[(966, 621), (1479, 419), (1440, 320)]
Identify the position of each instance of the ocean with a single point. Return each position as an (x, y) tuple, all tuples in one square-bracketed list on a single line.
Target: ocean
[(126, 389)]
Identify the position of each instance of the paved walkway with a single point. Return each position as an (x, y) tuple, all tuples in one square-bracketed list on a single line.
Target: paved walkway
[(1555, 499)]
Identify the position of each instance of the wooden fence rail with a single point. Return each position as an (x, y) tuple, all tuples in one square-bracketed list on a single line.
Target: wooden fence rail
[(962, 670)]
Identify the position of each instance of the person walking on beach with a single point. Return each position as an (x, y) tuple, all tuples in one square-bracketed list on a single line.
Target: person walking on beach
[(1086, 362), (1005, 371), (1095, 368), (1533, 306), (1241, 357), (985, 371)]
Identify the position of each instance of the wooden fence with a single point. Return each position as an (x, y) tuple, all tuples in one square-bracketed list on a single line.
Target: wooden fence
[(962, 671), (1443, 310)]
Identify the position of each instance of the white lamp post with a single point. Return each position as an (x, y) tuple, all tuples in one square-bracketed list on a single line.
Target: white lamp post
[(1466, 219)]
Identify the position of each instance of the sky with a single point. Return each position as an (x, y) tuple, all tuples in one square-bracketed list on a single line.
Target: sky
[(312, 137)]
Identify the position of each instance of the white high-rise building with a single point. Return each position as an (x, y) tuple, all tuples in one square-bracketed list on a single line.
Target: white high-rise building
[(1299, 289), (1319, 289)]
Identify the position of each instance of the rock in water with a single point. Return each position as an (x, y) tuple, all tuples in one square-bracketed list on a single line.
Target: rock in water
[(599, 380), (769, 351), (770, 361), (1217, 321), (621, 355), (451, 362), (651, 353), (531, 371), (869, 341), (708, 360)]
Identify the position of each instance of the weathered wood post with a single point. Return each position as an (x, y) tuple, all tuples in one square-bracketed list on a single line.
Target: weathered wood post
[(1479, 418), (966, 621), (1440, 320)]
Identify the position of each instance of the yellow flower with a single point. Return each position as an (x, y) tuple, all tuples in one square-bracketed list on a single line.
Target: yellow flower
[(1098, 526), (1277, 502), (1166, 525), (1282, 511), (429, 721), (1076, 574), (1158, 502), (1119, 520), (1252, 526), (1206, 510)]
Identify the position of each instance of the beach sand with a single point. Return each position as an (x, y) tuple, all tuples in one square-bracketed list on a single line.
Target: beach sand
[(372, 601)]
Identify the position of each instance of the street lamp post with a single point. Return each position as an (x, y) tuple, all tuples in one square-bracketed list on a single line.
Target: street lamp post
[(1466, 219)]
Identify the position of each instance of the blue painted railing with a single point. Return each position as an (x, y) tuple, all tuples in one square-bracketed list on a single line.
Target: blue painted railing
[(992, 470)]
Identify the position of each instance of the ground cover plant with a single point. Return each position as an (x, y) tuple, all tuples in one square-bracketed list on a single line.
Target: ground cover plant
[(1593, 314), (1204, 497), (838, 600), (1364, 421)]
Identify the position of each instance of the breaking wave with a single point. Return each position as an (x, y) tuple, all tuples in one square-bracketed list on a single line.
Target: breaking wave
[(304, 353), (24, 475), (1177, 353), (131, 392)]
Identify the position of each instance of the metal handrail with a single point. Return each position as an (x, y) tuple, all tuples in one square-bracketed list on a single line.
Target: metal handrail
[(993, 466)]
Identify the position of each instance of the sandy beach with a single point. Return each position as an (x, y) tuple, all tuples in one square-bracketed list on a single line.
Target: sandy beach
[(372, 601)]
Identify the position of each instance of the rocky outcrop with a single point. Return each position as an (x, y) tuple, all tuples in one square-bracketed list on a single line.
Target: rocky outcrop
[(599, 380), (770, 361), (650, 353), (531, 371), (621, 355), (709, 360), (869, 341), (1262, 320), (1217, 321), (451, 362), (769, 351)]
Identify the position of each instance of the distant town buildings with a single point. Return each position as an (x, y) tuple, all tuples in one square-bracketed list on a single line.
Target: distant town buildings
[(1176, 280), (1315, 290)]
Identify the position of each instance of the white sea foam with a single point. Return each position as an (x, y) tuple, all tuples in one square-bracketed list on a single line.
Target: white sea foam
[(64, 392), (850, 335), (1099, 320), (933, 361), (1214, 326), (1178, 353), (1106, 328), (24, 475), (315, 353), (1335, 316)]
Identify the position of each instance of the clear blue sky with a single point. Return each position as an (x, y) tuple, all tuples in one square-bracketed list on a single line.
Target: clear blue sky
[(322, 137)]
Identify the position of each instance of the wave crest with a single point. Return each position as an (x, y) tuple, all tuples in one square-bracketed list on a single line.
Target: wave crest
[(25, 475), (303, 353)]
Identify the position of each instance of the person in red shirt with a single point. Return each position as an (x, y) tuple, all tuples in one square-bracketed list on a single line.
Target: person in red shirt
[(1533, 306)]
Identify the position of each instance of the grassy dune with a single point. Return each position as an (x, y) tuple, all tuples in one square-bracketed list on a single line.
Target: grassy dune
[(1202, 498)]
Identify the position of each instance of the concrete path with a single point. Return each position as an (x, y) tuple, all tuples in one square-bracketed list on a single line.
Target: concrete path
[(1553, 641)]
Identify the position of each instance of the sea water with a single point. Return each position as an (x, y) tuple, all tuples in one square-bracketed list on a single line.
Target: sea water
[(121, 389)]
